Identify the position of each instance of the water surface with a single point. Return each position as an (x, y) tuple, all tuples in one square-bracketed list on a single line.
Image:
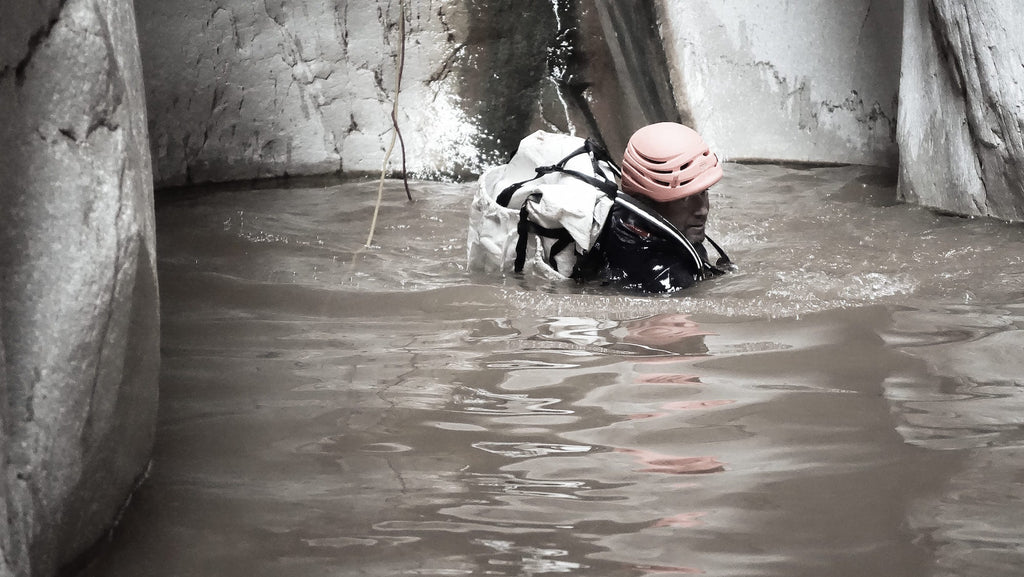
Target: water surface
[(847, 403)]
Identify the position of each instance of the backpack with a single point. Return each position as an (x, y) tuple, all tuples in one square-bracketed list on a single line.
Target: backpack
[(555, 210)]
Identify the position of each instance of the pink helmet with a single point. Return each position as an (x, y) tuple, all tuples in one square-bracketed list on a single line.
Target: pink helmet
[(666, 161)]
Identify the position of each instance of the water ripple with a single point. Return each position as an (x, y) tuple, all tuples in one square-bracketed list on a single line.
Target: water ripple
[(521, 450)]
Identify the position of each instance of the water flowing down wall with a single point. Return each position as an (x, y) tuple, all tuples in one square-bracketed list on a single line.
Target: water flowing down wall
[(240, 90), (629, 81), (795, 81), (960, 136), (79, 335)]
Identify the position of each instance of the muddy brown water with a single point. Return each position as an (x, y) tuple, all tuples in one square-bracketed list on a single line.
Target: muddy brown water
[(848, 403)]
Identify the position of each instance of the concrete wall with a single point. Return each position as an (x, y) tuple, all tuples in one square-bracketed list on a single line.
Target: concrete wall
[(240, 89), (960, 118), (79, 335), (812, 81)]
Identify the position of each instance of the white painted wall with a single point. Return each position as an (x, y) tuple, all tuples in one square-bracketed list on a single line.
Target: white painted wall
[(814, 80)]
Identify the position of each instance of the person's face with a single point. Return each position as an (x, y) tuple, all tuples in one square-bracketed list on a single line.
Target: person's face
[(689, 214)]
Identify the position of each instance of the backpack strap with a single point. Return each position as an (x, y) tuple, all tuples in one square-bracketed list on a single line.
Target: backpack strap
[(562, 237), (524, 233), (600, 153), (506, 195), (597, 154), (591, 148), (561, 244)]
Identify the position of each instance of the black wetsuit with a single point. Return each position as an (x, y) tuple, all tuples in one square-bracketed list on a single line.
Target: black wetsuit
[(640, 250), (637, 249)]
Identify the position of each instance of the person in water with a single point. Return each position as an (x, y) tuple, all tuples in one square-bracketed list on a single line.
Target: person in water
[(667, 169)]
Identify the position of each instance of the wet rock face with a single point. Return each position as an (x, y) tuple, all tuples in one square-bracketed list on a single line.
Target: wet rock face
[(960, 119), (241, 90), (622, 81), (79, 335), (503, 67), (594, 69)]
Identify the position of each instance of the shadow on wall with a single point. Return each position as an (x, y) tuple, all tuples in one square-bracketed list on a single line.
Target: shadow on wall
[(585, 68)]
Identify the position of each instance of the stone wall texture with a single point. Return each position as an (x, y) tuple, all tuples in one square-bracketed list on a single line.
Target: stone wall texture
[(960, 107), (79, 335), (813, 81), (240, 89)]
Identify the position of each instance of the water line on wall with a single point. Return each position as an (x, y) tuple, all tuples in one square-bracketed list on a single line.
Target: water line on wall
[(400, 66)]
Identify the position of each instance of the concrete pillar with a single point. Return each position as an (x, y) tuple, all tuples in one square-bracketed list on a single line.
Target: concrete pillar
[(961, 147), (79, 334)]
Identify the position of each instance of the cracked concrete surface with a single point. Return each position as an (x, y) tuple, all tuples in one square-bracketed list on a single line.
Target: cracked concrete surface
[(290, 88), (245, 90), (308, 88), (241, 90), (799, 82), (78, 297)]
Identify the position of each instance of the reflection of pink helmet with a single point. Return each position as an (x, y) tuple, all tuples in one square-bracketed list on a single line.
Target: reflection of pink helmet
[(662, 329), (666, 161)]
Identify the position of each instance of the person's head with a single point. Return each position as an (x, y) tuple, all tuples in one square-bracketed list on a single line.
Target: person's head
[(671, 165)]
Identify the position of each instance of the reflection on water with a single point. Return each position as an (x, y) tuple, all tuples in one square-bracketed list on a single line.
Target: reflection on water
[(847, 404)]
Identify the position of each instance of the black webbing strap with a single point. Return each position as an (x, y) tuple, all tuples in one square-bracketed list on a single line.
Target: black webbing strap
[(562, 237), (524, 234), (558, 247), (506, 195), (596, 153), (606, 186), (599, 153)]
